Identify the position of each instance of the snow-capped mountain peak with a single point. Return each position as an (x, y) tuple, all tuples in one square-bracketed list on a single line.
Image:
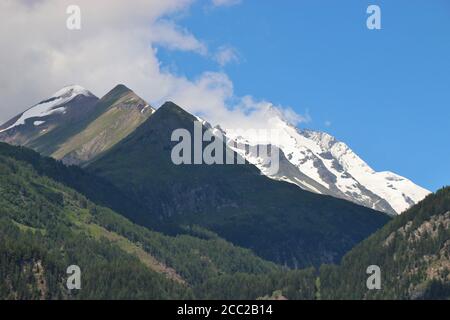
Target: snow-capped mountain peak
[(71, 91), (318, 162), (52, 105)]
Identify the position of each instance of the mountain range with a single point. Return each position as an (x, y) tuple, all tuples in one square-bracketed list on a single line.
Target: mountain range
[(76, 127), (277, 220), (100, 190), (125, 143)]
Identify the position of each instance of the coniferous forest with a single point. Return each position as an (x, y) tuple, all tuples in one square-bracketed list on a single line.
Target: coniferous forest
[(46, 226)]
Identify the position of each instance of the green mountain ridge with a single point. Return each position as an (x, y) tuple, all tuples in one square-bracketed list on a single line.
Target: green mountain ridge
[(276, 220)]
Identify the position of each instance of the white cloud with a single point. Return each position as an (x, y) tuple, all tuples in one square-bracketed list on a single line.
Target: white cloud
[(167, 34), (226, 55), (249, 113), (115, 45)]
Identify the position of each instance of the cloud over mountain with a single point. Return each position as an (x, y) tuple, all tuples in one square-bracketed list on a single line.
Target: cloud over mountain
[(118, 43)]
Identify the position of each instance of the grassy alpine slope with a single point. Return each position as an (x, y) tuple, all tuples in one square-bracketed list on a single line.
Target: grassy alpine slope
[(117, 114)]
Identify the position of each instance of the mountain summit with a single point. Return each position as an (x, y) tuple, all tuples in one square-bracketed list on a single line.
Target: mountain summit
[(116, 115), (318, 162), (68, 105), (75, 126), (55, 104)]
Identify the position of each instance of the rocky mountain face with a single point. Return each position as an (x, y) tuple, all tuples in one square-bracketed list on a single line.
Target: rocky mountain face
[(412, 252)]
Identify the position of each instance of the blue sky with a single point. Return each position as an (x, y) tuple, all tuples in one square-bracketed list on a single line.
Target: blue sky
[(386, 93)]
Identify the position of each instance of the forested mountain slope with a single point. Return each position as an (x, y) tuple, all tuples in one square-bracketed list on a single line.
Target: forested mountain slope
[(46, 227), (412, 251)]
